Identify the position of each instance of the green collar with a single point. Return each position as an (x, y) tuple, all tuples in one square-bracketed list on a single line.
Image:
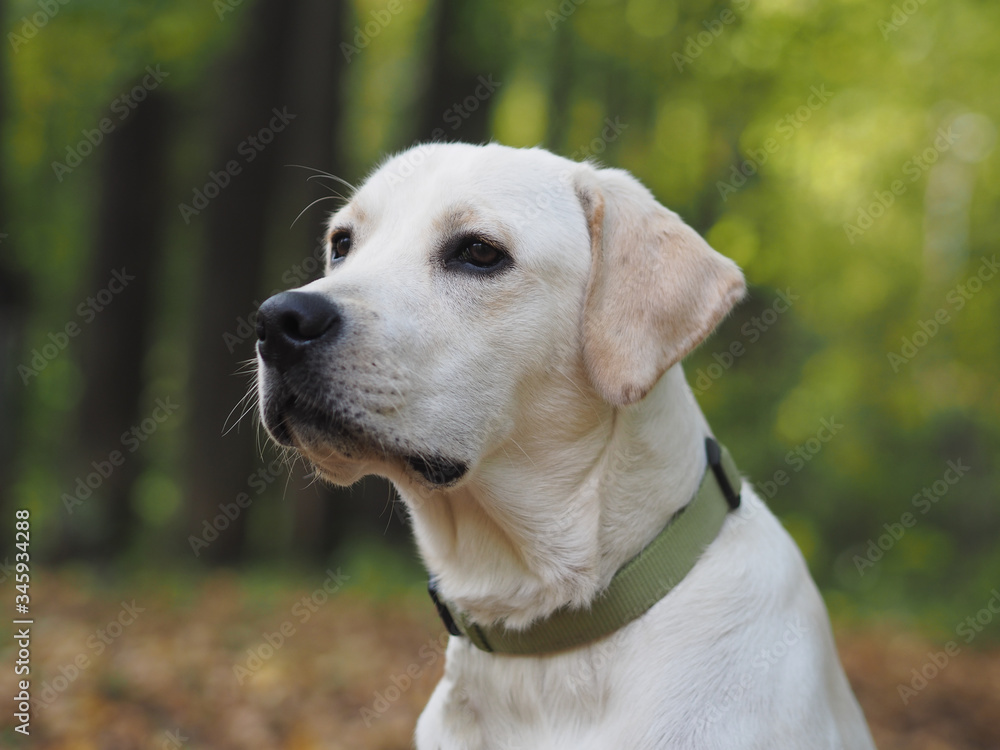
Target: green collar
[(637, 586)]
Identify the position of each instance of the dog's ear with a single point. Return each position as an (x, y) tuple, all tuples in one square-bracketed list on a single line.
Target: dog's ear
[(656, 288)]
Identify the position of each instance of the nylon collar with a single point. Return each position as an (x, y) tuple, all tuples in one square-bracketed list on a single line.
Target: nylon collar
[(638, 585)]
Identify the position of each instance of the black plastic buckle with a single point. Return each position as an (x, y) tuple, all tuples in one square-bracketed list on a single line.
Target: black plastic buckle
[(443, 612), (715, 462)]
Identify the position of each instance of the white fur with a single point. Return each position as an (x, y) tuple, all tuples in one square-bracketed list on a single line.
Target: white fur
[(564, 485)]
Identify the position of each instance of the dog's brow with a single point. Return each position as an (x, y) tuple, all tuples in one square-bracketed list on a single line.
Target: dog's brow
[(455, 220), (465, 219), (348, 218)]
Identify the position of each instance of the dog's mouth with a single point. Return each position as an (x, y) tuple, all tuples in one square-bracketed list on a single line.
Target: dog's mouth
[(315, 431), (437, 470), (289, 418)]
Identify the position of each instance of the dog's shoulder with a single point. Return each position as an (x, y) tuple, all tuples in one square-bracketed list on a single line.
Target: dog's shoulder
[(745, 649)]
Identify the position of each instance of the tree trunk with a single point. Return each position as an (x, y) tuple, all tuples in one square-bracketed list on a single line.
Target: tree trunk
[(451, 84), (561, 88), (13, 315), (112, 345), (253, 103), (322, 515)]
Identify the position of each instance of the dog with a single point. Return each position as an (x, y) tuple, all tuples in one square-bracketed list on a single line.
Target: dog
[(499, 332)]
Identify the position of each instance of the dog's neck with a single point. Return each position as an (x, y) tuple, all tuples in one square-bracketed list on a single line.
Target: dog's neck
[(546, 521)]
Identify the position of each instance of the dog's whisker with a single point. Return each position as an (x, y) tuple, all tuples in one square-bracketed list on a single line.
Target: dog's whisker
[(239, 404), (337, 193), (288, 479), (236, 424), (390, 503), (248, 362), (320, 174), (318, 200), (260, 435)]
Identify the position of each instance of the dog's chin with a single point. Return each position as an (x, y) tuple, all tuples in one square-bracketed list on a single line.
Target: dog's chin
[(343, 453)]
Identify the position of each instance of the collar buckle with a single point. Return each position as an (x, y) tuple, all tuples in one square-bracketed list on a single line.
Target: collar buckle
[(443, 612), (715, 462)]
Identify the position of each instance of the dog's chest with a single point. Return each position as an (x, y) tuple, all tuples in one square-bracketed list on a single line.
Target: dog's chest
[(604, 697), (739, 657)]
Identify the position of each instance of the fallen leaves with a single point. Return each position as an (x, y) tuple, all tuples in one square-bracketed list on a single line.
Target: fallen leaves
[(353, 674)]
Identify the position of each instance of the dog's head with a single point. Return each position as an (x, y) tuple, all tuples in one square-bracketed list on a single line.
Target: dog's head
[(467, 289)]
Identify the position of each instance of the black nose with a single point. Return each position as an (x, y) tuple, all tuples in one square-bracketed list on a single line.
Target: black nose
[(289, 322)]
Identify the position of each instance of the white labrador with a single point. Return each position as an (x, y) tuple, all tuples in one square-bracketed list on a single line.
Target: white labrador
[(499, 332)]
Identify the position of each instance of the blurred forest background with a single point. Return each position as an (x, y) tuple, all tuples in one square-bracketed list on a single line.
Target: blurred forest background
[(843, 153)]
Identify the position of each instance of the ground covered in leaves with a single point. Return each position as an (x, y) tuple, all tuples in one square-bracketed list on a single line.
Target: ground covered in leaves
[(222, 663)]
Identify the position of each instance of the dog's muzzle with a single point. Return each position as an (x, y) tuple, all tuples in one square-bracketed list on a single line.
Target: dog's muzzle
[(289, 326)]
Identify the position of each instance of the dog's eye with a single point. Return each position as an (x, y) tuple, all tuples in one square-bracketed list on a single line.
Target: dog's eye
[(340, 245), (479, 255)]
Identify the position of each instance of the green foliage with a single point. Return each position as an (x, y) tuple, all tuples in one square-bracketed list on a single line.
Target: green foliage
[(775, 127)]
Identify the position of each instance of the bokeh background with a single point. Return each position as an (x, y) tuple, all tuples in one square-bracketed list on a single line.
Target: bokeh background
[(155, 157)]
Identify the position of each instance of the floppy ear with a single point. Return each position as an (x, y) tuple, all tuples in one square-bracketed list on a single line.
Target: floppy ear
[(656, 288)]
